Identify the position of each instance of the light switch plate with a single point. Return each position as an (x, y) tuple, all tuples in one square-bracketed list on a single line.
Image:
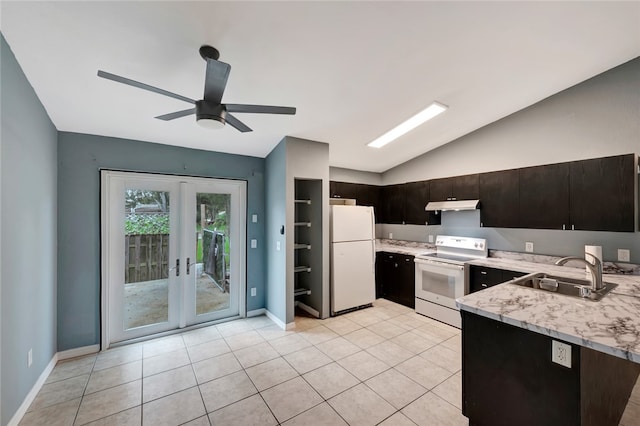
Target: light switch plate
[(253, 291), (624, 255), (528, 247), (278, 245), (254, 243), (254, 218), (561, 353), (391, 235), (430, 238)]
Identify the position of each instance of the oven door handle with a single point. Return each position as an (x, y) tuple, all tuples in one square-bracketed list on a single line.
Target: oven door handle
[(440, 265)]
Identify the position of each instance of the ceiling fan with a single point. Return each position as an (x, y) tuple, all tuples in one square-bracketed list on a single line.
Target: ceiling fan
[(210, 112)]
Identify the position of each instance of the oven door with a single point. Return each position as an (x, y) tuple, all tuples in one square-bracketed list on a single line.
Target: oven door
[(438, 282)]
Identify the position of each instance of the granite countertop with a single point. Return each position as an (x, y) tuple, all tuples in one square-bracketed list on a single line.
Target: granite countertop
[(611, 325), (412, 248)]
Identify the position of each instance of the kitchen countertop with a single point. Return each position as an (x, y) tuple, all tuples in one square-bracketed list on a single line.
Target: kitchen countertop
[(611, 325), (412, 248)]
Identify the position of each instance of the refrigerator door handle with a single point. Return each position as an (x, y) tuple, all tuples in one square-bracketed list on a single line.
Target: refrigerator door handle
[(373, 237)]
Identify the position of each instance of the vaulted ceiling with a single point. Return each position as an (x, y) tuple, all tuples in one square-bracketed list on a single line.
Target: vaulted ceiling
[(353, 69)]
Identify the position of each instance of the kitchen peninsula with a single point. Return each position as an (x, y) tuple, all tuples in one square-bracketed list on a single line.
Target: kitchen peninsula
[(508, 333)]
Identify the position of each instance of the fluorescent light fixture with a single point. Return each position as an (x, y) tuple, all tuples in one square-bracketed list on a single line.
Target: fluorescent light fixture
[(425, 115)]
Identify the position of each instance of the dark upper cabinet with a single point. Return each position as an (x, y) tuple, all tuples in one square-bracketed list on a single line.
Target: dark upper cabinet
[(342, 189), (455, 188), (544, 197), (602, 194), (500, 199), (369, 195), (416, 198), (392, 204)]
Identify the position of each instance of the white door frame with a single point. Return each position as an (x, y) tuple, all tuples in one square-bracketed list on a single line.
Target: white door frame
[(238, 254)]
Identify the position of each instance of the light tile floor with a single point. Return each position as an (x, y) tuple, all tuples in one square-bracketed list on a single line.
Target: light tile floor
[(383, 365)]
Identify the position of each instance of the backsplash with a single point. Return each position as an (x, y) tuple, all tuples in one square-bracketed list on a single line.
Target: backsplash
[(607, 267)]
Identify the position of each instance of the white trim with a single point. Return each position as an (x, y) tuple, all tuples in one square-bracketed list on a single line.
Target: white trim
[(278, 322), (256, 312), (76, 352), (307, 309), (31, 396)]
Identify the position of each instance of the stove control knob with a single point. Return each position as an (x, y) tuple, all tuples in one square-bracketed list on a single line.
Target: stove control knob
[(481, 245), (476, 245)]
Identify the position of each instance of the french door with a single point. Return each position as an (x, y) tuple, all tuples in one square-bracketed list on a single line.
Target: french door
[(173, 252)]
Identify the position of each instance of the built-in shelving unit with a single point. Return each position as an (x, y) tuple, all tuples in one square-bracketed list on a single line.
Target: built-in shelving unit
[(307, 247)]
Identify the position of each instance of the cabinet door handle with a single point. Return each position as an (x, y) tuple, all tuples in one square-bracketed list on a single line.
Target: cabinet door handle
[(573, 227), (484, 285), (483, 272)]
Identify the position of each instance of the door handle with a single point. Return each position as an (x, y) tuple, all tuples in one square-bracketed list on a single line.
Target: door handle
[(177, 268), (189, 265)]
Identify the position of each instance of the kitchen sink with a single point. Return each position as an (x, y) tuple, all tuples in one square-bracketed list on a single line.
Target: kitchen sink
[(567, 286)]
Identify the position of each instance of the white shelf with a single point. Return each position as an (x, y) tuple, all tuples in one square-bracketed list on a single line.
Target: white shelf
[(301, 292), (302, 269), (307, 224), (302, 246)]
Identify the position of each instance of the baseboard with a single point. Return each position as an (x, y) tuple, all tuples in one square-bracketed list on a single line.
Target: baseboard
[(22, 410), (308, 309), (73, 353), (256, 312), (279, 323)]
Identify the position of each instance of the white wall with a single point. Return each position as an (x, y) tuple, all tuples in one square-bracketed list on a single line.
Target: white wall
[(596, 118), (354, 176)]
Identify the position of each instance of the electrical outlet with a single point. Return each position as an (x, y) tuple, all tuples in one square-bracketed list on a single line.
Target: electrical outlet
[(624, 255), (528, 246), (430, 238), (254, 218), (29, 357), (254, 243), (391, 235), (561, 353), (253, 291), (278, 245)]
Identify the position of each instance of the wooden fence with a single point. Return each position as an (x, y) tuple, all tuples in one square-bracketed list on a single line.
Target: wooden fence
[(146, 257)]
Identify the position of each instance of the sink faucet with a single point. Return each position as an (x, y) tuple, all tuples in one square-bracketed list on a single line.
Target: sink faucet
[(595, 269)]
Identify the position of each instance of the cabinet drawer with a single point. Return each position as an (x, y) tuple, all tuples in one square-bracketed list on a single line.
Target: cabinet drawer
[(482, 277)]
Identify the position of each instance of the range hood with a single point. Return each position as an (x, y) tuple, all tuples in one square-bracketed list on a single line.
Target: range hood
[(452, 205)]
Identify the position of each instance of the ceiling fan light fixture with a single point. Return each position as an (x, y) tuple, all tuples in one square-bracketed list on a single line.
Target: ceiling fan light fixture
[(211, 122), (210, 116), (423, 116)]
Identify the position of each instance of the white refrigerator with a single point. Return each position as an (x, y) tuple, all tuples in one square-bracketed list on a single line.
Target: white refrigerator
[(352, 237)]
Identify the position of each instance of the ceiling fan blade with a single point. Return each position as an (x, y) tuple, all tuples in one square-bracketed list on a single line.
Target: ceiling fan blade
[(143, 86), (260, 109), (177, 114), (215, 80), (230, 119)]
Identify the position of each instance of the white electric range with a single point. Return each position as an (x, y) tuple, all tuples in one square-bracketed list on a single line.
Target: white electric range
[(440, 276)]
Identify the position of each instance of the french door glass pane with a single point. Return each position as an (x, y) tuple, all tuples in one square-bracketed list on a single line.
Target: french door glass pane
[(212, 252), (146, 259)]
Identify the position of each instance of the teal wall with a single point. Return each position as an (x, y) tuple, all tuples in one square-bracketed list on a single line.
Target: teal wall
[(28, 170), (276, 217), (80, 158)]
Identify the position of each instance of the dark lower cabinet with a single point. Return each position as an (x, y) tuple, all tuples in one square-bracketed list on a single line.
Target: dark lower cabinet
[(481, 277), (508, 379), (395, 278)]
